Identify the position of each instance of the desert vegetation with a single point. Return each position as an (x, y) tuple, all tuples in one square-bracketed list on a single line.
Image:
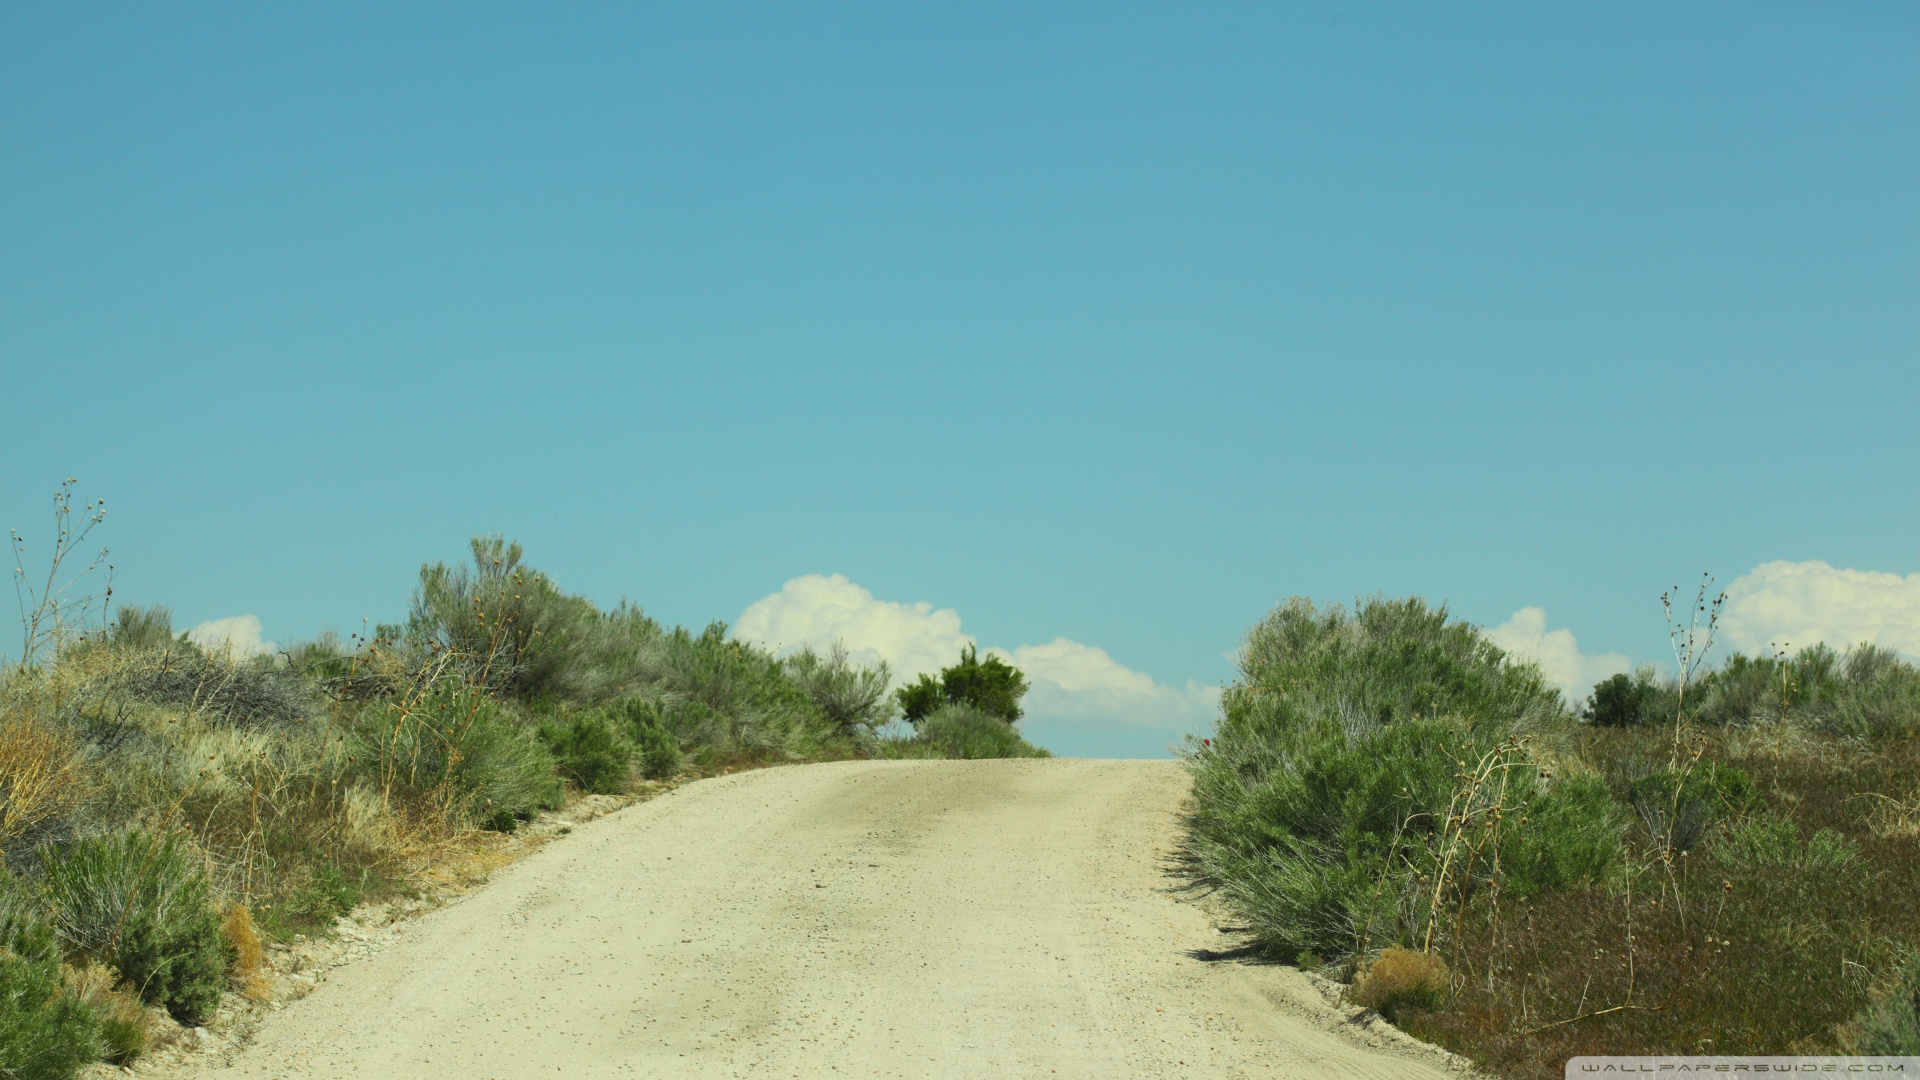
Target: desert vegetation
[(1721, 859), (165, 806), (967, 711)]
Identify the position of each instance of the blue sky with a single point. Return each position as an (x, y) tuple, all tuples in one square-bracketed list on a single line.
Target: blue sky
[(1109, 324)]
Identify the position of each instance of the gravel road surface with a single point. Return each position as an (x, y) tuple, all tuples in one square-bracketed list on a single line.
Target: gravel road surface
[(858, 919)]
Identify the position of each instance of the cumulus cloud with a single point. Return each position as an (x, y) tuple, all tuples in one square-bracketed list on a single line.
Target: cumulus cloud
[(1796, 604), (239, 633), (1072, 683), (1558, 654), (817, 610)]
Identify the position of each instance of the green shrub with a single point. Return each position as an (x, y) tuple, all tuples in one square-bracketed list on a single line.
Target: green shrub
[(1749, 688), (655, 749), (853, 698), (138, 901), (991, 686), (658, 753), (507, 627), (963, 731), (329, 893), (458, 749), (1571, 837), (46, 1033), (1675, 809), (1891, 1025), (732, 698), (591, 750), (1771, 842), (695, 723), (1324, 797), (1880, 695)]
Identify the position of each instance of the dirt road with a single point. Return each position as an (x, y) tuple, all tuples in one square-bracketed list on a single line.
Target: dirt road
[(884, 919)]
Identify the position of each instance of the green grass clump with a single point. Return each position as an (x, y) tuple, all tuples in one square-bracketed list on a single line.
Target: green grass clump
[(138, 902), (1377, 769), (1772, 842), (457, 751), (1674, 809), (591, 750), (125, 1028), (327, 892)]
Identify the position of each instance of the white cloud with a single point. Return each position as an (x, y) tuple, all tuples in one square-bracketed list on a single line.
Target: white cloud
[(240, 633), (1526, 635), (1071, 682), (817, 610), (1795, 604)]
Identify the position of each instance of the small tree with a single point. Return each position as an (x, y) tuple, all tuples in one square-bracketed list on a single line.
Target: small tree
[(992, 685), (1618, 702)]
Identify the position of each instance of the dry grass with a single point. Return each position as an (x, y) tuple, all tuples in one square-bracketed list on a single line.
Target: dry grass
[(1894, 817), (41, 778), (1777, 740), (1399, 980), (125, 1024), (249, 971)]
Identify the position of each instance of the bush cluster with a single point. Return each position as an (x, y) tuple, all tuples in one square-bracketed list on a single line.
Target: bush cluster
[(1375, 769), (1866, 691), (293, 786), (1730, 863)]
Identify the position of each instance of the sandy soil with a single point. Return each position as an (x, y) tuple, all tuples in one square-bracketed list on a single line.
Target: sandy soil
[(886, 919)]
